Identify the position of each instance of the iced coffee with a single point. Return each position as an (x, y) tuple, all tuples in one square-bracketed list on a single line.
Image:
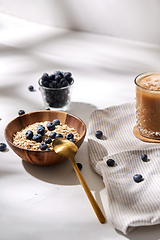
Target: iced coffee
[(148, 104)]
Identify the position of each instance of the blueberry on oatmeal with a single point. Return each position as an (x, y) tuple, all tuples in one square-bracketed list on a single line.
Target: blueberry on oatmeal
[(40, 129), (43, 146), (29, 134), (52, 135), (48, 140), (72, 140), (37, 137), (59, 135), (69, 135), (50, 126), (56, 122)]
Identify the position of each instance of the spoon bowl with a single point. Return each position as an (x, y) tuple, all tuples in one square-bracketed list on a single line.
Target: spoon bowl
[(64, 147), (68, 149)]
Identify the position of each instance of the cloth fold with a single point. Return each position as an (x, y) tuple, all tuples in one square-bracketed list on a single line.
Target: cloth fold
[(131, 204)]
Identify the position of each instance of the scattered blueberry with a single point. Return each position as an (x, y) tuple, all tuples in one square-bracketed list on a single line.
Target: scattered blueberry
[(137, 178), (52, 135), (48, 140), (69, 135), (40, 129), (72, 140), (59, 135), (37, 137), (56, 122), (43, 146), (50, 126), (98, 134), (31, 88), (48, 149), (3, 147), (29, 134), (144, 157), (79, 165), (110, 162), (21, 112)]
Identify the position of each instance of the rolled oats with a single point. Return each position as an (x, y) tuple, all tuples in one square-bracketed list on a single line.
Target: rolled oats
[(20, 140)]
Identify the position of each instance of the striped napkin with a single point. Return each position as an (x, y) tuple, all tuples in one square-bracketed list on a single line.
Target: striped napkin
[(131, 204)]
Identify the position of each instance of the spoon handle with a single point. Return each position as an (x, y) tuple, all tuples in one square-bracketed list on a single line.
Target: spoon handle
[(88, 192)]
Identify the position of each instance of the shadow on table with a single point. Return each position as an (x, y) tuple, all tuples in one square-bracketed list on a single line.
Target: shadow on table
[(144, 233)]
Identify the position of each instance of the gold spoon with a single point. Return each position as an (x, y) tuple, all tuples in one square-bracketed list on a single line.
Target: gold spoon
[(68, 149)]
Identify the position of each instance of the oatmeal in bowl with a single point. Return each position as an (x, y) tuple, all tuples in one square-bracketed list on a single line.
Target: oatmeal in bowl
[(31, 135)]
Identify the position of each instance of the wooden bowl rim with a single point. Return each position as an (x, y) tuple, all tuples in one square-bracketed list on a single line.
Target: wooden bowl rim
[(42, 111)]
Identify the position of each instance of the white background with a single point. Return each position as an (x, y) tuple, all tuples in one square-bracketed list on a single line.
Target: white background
[(138, 20)]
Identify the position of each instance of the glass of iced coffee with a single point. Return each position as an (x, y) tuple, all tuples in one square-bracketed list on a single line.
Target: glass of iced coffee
[(148, 104)]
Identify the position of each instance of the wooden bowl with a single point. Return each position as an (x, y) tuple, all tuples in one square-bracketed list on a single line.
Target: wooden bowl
[(42, 157)]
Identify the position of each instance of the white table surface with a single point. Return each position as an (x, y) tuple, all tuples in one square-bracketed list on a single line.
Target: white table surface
[(49, 202)]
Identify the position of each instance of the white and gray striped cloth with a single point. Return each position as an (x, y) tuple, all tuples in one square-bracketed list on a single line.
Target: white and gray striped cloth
[(131, 204)]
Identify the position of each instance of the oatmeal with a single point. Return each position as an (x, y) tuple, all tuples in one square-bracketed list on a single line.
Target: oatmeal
[(20, 140)]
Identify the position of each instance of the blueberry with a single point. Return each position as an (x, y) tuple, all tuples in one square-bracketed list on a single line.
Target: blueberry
[(69, 135), (59, 135), (52, 77), (45, 83), (56, 122), (64, 83), (52, 135), (58, 73), (70, 80), (43, 146), (59, 85), (21, 112), (50, 126), (67, 75), (3, 147), (58, 77), (29, 134), (137, 178), (110, 162), (48, 149), (53, 84), (144, 157), (48, 140), (37, 137), (72, 140), (98, 134), (40, 129), (45, 76), (31, 88), (79, 165)]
